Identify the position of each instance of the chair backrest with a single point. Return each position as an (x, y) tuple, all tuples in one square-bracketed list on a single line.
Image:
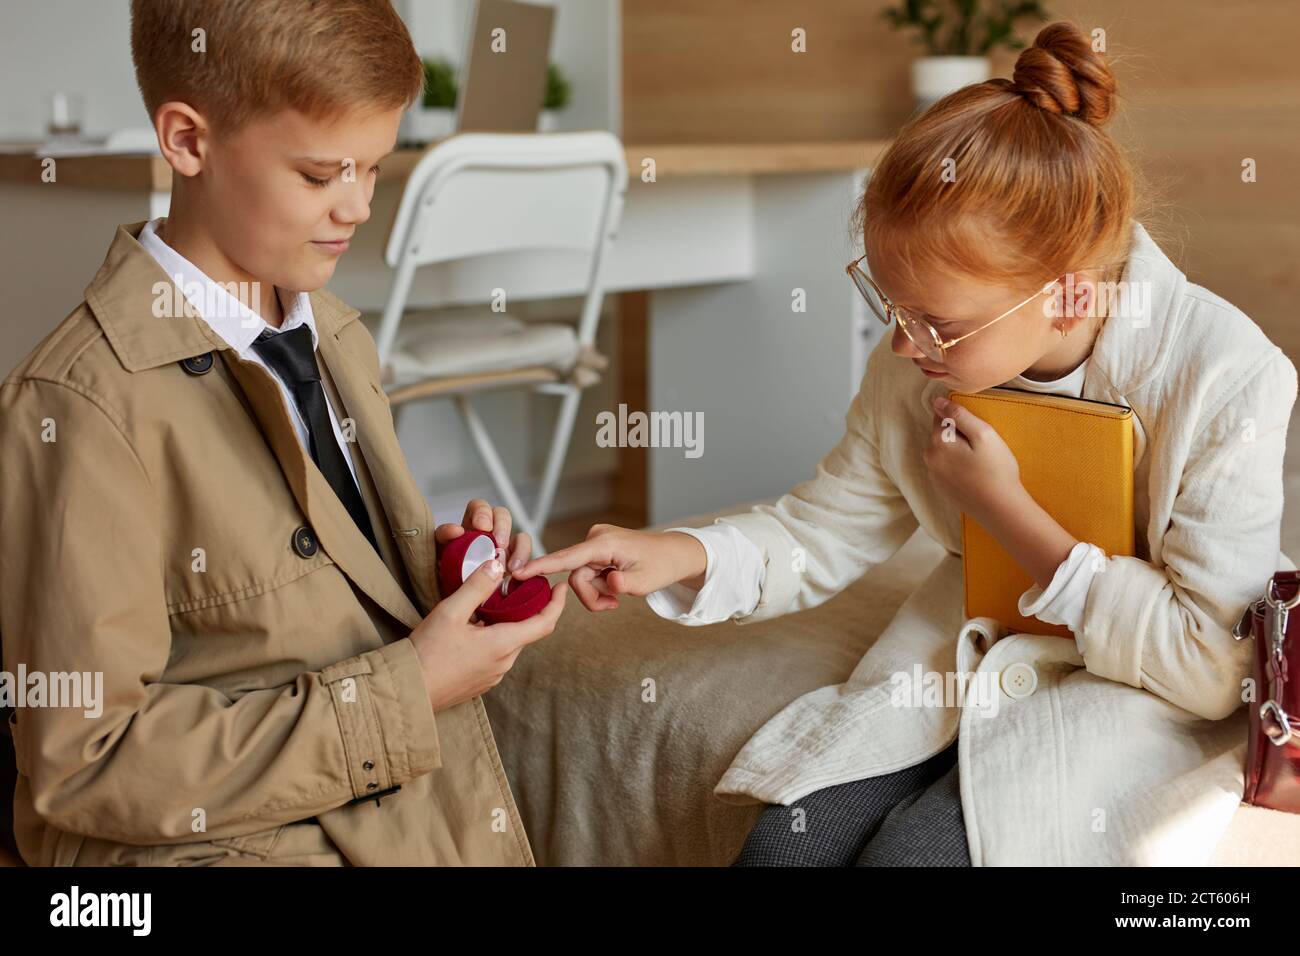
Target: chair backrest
[(479, 194)]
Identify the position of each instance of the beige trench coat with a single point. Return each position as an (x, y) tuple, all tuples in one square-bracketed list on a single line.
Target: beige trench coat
[(258, 687), (1129, 753)]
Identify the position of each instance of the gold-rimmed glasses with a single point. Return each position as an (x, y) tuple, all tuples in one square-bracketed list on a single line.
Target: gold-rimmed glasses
[(923, 335)]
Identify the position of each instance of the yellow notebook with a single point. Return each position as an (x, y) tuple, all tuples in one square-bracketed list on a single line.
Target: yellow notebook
[(1076, 460)]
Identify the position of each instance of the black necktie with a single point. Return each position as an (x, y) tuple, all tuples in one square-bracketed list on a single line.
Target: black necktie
[(291, 355)]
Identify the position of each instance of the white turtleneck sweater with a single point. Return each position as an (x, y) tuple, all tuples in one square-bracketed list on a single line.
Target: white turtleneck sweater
[(733, 576)]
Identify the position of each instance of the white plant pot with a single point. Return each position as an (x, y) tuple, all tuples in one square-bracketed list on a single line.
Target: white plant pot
[(934, 77), (424, 125), (548, 121)]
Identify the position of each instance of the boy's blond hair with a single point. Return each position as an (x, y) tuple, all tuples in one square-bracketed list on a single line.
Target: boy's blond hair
[(257, 57)]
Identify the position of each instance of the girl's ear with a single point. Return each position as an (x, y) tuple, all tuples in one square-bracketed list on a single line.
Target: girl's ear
[(1075, 296)]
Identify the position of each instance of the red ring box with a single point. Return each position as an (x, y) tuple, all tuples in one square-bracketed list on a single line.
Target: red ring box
[(462, 556)]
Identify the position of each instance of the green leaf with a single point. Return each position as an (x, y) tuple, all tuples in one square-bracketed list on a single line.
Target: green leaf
[(963, 27), (439, 84), (557, 89)]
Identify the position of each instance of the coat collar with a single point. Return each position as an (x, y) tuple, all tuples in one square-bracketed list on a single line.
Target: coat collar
[(123, 294), (1134, 345), (232, 319), (122, 297), (329, 519)]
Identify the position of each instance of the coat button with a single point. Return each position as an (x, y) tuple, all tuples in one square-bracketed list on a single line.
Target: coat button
[(198, 364), (304, 542), (368, 765), (1019, 680)]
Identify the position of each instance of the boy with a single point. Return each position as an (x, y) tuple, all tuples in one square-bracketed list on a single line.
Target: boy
[(211, 535)]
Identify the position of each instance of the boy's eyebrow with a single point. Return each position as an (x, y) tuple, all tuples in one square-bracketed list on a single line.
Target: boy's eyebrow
[(313, 161)]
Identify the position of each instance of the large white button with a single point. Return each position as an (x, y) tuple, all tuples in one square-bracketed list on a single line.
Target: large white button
[(1019, 680)]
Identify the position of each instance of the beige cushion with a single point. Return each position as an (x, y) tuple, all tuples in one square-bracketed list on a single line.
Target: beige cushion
[(474, 339)]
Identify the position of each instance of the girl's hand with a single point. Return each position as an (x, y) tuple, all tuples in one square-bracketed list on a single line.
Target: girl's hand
[(970, 464), (481, 516), (614, 561)]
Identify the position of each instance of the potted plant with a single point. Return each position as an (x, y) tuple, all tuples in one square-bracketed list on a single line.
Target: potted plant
[(556, 99), (434, 117), (958, 36)]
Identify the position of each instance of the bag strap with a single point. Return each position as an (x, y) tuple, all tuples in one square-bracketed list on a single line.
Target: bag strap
[(1280, 597), (1266, 620)]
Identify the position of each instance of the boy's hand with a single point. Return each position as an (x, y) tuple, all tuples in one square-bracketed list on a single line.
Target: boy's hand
[(481, 516), (461, 660), (614, 561)]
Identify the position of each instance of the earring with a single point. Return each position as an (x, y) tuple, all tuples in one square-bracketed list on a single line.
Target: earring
[(1063, 332)]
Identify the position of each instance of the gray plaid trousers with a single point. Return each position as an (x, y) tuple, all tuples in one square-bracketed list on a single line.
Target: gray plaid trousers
[(911, 817)]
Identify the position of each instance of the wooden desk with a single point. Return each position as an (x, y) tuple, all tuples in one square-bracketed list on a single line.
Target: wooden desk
[(152, 174)]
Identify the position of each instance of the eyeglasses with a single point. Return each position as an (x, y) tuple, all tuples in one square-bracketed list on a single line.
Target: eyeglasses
[(923, 335)]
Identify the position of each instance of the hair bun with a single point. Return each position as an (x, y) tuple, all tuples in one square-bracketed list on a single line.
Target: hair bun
[(1061, 73)]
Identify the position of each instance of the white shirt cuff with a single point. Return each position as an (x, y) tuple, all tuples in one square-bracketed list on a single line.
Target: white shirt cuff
[(733, 580), (1063, 600)]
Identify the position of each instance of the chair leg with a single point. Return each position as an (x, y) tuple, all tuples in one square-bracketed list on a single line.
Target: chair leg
[(555, 457), (497, 470)]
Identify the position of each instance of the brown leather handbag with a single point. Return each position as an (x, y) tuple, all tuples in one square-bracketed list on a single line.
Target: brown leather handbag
[(1273, 753)]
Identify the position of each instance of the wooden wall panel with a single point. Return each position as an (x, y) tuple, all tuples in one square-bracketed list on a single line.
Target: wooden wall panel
[(1203, 85), (723, 71)]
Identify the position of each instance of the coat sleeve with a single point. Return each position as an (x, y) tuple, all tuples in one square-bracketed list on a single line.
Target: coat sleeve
[(826, 532), (82, 592), (1168, 629)]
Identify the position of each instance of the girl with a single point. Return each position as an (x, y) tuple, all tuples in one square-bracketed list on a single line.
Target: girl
[(992, 227)]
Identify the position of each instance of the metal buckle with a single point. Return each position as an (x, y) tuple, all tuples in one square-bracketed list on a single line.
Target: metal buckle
[(1279, 733), (1242, 629), (1275, 615), (1289, 603)]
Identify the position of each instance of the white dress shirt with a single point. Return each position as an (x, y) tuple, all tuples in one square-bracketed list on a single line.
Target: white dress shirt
[(733, 577), (238, 326)]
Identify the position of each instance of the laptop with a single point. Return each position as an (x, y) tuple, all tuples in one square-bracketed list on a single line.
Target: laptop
[(504, 78)]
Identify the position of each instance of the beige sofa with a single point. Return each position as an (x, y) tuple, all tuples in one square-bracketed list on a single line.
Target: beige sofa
[(603, 777)]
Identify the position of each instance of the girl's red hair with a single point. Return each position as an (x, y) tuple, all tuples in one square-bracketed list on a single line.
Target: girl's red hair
[(1010, 181)]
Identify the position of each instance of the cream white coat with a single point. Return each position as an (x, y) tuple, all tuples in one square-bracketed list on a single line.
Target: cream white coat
[(1129, 751)]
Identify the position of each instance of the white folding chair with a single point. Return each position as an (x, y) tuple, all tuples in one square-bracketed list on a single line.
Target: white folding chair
[(483, 194)]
